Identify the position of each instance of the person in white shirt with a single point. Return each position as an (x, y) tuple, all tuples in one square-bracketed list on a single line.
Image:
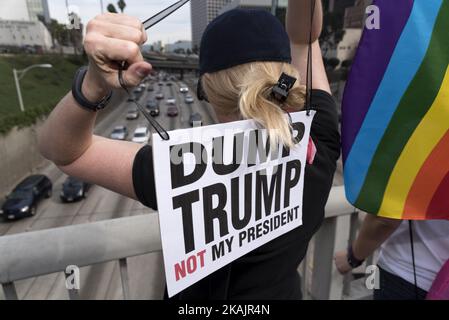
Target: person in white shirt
[(396, 264)]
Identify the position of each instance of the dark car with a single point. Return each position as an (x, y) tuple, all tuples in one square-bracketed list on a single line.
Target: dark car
[(23, 200), (153, 108), (150, 88), (73, 190), (172, 111), (169, 84), (196, 120)]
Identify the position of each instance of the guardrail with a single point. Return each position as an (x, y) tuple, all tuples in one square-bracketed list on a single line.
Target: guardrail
[(39, 253)]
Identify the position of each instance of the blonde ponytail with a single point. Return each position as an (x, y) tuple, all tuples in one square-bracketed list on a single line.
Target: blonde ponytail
[(246, 90)]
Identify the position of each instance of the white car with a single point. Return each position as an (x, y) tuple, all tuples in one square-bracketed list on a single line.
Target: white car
[(141, 135), (184, 89), (119, 133), (171, 101), (189, 99)]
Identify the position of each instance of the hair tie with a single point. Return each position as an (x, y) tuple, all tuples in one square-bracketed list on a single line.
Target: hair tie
[(281, 90)]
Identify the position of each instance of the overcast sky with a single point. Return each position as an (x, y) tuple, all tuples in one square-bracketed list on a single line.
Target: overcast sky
[(176, 27)]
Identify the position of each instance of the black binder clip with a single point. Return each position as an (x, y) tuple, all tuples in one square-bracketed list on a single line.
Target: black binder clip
[(281, 89)]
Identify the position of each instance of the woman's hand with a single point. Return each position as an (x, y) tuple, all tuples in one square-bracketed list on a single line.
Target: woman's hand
[(111, 39), (341, 262)]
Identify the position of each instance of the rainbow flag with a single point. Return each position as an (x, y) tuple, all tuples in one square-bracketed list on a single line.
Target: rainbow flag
[(395, 123)]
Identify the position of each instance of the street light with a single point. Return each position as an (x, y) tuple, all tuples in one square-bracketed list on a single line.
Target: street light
[(19, 74)]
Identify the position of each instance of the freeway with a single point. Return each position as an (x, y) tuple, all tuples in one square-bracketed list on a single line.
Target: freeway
[(103, 281)]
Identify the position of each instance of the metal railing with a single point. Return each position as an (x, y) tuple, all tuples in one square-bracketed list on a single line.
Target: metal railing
[(39, 253)]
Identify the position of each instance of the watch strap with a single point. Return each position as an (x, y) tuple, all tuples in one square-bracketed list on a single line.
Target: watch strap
[(352, 260), (81, 99)]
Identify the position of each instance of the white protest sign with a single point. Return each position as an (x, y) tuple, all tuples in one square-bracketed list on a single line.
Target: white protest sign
[(222, 192)]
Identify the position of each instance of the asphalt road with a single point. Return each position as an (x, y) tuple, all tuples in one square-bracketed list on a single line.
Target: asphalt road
[(103, 281)]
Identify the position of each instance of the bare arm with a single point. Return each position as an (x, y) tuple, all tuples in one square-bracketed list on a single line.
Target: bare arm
[(298, 28), (67, 137), (373, 233)]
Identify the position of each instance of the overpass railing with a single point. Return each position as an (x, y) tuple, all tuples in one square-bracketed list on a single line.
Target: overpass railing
[(39, 253)]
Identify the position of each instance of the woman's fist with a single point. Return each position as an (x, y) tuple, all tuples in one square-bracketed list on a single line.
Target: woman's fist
[(111, 39)]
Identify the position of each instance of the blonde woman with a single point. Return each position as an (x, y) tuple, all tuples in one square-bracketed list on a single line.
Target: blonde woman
[(243, 54)]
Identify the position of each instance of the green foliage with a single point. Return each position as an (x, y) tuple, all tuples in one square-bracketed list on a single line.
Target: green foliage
[(41, 88), (24, 119)]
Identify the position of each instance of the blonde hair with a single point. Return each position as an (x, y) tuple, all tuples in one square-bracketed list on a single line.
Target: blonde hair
[(246, 90)]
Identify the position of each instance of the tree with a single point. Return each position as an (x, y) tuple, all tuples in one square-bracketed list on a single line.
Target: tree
[(59, 34), (122, 5), (333, 31), (111, 8)]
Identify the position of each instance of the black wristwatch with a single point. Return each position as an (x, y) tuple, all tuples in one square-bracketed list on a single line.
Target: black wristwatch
[(81, 99), (352, 260)]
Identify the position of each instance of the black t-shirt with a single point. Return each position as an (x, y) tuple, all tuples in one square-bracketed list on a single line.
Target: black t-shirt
[(269, 272)]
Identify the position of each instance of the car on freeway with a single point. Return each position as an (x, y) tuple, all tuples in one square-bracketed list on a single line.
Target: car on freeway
[(171, 101), (153, 108), (160, 96), (133, 114), (196, 120), (150, 88), (184, 89), (138, 92), (119, 133), (160, 84), (172, 111), (141, 135), (74, 190), (169, 84), (23, 200), (189, 99)]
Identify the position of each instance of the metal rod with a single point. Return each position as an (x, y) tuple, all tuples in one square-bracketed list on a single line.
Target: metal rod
[(10, 291), (158, 17), (19, 91), (125, 278)]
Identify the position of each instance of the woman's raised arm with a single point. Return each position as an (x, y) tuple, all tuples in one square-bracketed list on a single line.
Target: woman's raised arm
[(67, 137), (299, 27)]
